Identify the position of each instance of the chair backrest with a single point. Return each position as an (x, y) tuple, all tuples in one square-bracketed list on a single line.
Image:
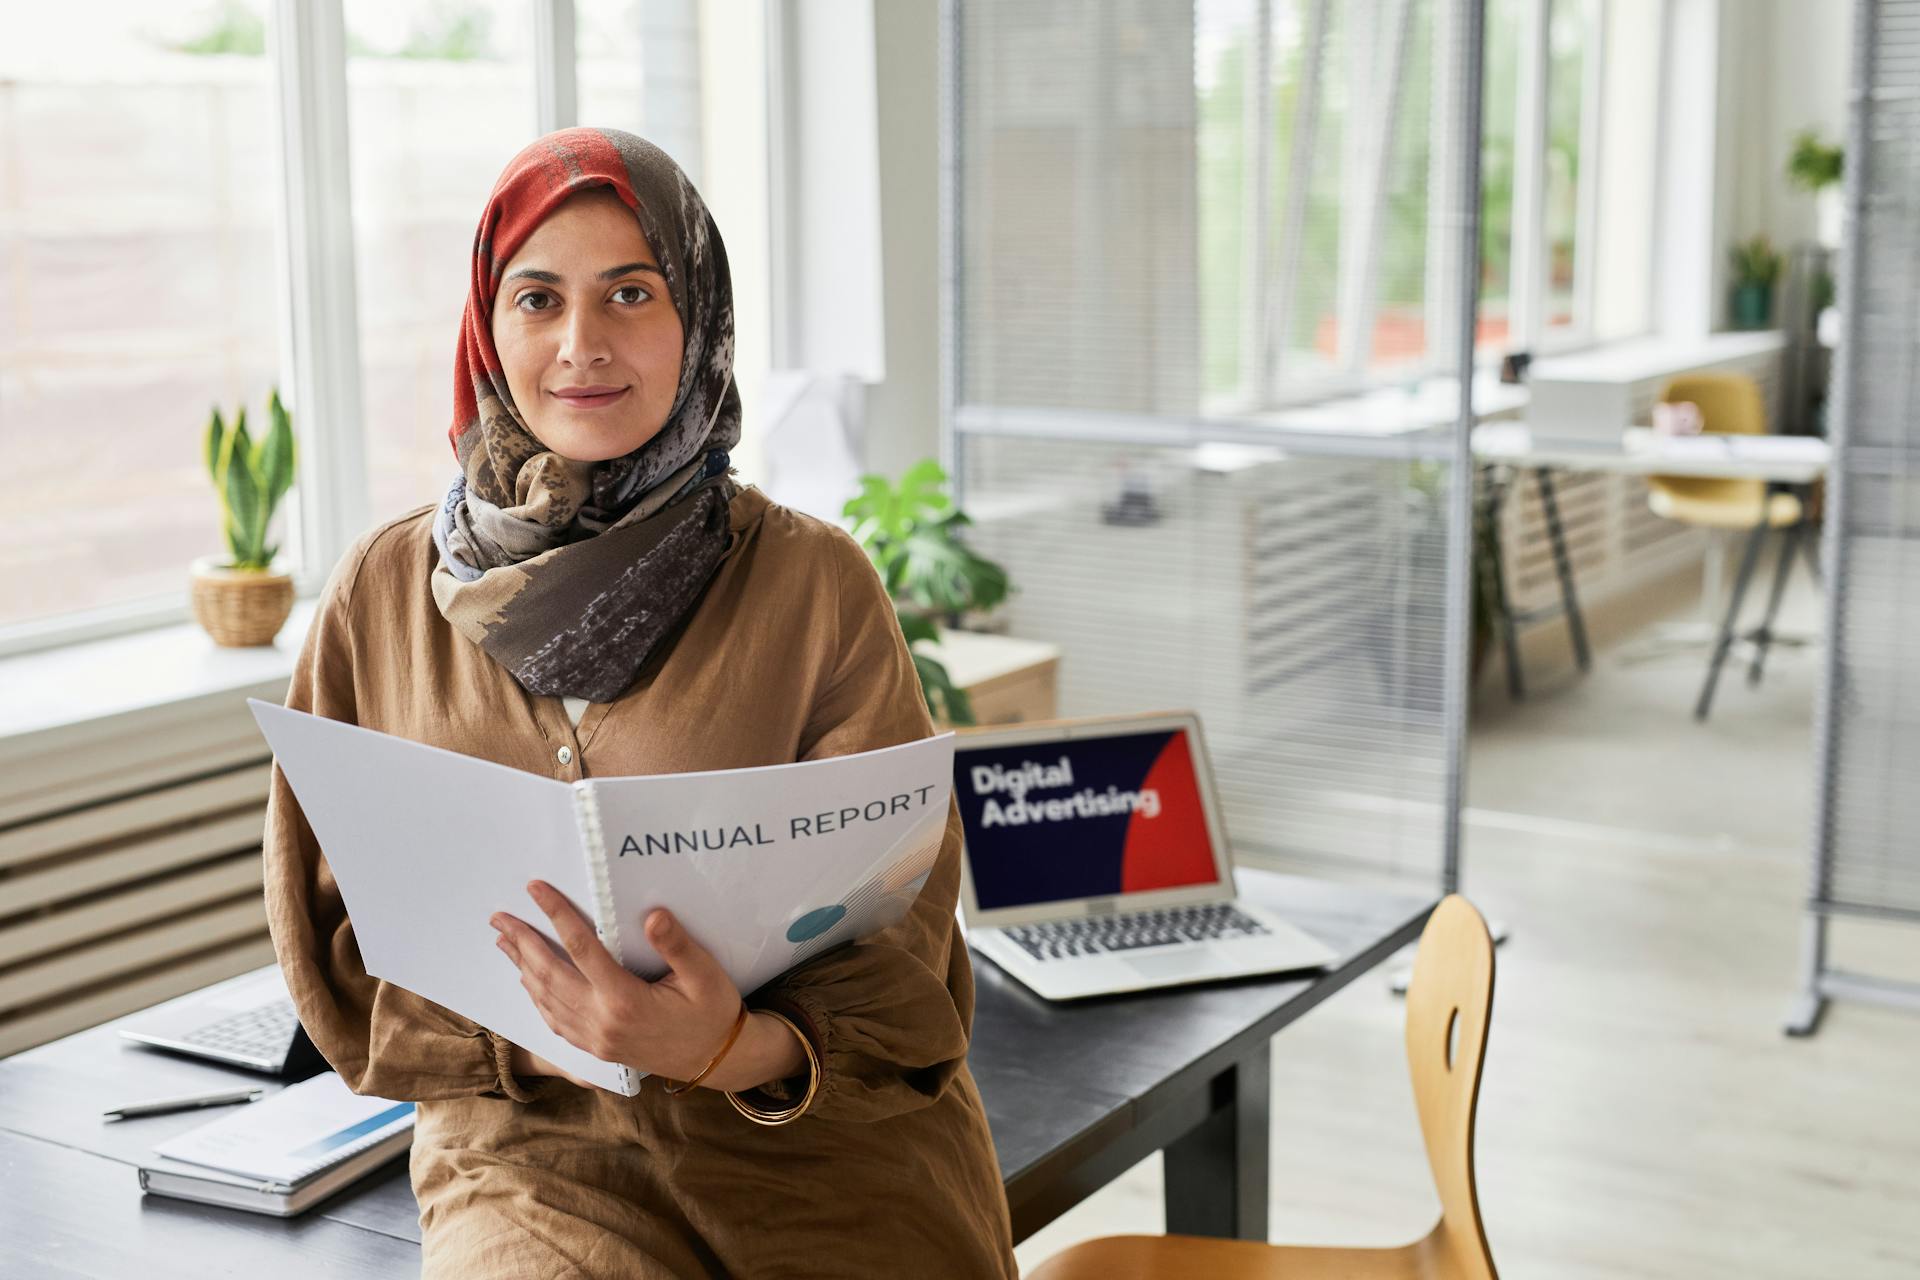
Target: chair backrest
[(1730, 403), (1449, 1005)]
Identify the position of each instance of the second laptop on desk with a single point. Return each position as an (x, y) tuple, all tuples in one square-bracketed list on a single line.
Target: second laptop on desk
[(1097, 861)]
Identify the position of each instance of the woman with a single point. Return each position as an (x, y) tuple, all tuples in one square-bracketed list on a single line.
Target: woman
[(595, 595)]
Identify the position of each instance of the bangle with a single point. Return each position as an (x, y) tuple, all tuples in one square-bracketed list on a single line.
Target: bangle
[(739, 1024), (799, 1108)]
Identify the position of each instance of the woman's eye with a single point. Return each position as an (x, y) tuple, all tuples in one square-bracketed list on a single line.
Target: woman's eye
[(529, 295), (633, 288)]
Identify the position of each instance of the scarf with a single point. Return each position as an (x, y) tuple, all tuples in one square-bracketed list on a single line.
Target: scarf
[(570, 573)]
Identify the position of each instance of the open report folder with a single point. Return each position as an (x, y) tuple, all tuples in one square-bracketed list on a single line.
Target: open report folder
[(765, 867)]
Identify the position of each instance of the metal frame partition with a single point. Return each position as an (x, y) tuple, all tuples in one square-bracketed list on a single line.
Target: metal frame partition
[(1866, 830), (1301, 579)]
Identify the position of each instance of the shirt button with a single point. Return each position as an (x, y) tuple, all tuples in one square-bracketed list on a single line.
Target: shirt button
[(566, 755)]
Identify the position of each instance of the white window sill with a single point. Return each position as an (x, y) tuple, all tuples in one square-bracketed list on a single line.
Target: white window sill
[(1654, 356), (91, 684)]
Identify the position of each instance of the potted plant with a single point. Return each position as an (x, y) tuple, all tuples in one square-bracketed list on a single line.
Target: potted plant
[(911, 533), (1756, 267), (1814, 166), (242, 599), (1427, 481)]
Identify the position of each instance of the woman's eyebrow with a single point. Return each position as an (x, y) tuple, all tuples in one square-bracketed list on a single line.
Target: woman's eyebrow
[(549, 277)]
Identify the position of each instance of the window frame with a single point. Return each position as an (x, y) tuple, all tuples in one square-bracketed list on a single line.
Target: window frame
[(317, 316), (1262, 385)]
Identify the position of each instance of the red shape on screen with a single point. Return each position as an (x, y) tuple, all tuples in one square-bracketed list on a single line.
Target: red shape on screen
[(1172, 849)]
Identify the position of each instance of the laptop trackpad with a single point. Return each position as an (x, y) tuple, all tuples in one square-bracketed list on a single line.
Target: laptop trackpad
[(1189, 962)]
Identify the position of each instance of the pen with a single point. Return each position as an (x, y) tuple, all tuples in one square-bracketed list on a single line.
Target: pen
[(159, 1106)]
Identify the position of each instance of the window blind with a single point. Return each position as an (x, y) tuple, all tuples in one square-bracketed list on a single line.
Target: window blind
[(1867, 841), (1209, 263)]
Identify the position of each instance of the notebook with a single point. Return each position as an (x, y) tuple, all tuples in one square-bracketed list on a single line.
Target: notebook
[(766, 867), (283, 1154)]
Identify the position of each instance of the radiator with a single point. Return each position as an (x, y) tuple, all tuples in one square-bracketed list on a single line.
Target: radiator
[(129, 866), (1613, 539)]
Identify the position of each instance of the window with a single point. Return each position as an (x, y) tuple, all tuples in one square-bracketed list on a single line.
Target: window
[(1499, 100), (136, 291), (1542, 109), (1223, 51), (1313, 153), (144, 270), (1569, 27), (639, 70), (1315, 140), (439, 99)]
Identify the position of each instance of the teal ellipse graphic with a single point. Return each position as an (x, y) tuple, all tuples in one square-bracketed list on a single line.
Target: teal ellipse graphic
[(815, 923)]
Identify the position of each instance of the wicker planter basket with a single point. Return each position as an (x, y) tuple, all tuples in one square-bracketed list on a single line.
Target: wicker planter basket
[(240, 607)]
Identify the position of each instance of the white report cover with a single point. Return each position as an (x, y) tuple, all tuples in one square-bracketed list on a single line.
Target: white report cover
[(765, 867), (298, 1132)]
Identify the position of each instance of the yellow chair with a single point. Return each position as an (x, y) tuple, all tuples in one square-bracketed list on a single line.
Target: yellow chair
[(1449, 1005), (1731, 404)]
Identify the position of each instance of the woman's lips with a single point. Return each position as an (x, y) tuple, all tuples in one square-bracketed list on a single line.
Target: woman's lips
[(590, 402)]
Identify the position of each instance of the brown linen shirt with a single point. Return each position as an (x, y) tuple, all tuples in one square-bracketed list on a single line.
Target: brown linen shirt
[(791, 654)]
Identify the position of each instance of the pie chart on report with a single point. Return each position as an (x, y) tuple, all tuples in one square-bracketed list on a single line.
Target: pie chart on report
[(816, 922)]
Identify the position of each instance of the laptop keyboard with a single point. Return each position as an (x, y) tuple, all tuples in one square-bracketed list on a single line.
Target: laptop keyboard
[(261, 1032), (1100, 935)]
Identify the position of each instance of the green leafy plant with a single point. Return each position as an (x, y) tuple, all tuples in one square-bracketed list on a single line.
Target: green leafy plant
[(911, 532), (1756, 261), (1427, 481), (1812, 164), (1823, 292), (250, 479)]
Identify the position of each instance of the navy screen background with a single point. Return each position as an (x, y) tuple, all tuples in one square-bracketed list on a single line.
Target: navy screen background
[(1016, 866)]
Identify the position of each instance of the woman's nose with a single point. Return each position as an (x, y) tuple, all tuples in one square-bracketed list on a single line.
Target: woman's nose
[(582, 341)]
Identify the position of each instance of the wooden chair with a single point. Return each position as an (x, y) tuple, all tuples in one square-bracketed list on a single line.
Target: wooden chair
[(1448, 1007)]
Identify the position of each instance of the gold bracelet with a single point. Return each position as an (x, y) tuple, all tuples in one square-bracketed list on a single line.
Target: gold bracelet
[(797, 1110), (739, 1024)]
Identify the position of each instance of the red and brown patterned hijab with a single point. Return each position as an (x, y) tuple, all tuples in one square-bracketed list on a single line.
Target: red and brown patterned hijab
[(568, 573)]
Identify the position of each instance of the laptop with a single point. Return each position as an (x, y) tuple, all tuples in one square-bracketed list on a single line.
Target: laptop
[(248, 1021), (1096, 861)]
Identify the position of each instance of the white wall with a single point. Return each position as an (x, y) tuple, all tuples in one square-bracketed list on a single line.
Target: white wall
[(854, 97), (1806, 65), (827, 309), (733, 142), (1739, 78), (903, 408)]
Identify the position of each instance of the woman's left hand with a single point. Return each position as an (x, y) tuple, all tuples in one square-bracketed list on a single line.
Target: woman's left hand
[(671, 1027)]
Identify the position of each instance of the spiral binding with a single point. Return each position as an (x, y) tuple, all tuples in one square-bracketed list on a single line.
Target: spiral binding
[(606, 921)]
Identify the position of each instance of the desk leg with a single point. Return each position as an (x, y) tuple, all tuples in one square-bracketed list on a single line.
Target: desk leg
[(1764, 636), (1563, 566), (1216, 1175), (1725, 640)]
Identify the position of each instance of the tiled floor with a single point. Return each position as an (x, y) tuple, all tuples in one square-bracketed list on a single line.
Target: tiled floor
[(1642, 1114)]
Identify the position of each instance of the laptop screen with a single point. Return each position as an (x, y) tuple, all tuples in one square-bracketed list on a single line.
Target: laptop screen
[(1082, 818)]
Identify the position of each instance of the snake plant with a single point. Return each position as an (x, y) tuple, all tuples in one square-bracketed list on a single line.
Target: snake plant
[(250, 479)]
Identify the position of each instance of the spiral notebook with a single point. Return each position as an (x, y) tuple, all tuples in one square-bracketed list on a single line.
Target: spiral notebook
[(292, 1137), (767, 867)]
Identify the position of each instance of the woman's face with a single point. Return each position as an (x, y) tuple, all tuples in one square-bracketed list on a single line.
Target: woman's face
[(586, 332)]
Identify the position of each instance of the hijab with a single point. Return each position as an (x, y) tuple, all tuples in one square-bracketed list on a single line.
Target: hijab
[(569, 574)]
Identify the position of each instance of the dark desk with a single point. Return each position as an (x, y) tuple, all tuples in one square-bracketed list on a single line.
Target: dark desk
[(1076, 1094)]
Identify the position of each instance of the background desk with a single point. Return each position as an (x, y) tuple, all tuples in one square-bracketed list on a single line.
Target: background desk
[(1076, 1094), (1502, 449)]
